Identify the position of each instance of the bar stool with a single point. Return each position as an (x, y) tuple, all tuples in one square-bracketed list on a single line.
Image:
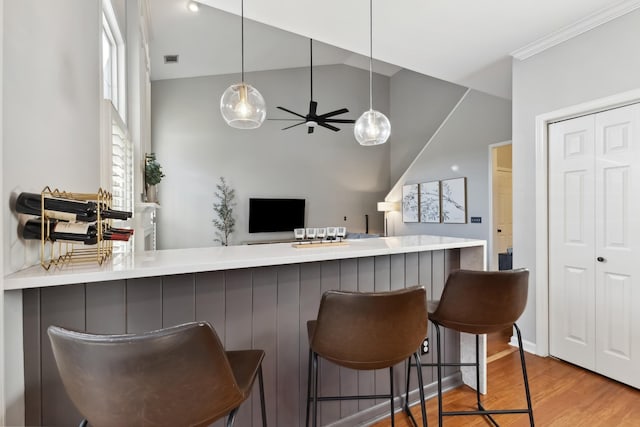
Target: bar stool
[(367, 331), (176, 376), (481, 302)]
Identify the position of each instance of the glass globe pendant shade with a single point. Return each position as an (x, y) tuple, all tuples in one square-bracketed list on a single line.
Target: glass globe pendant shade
[(243, 107), (372, 128)]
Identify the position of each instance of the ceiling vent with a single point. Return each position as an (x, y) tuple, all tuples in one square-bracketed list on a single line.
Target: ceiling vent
[(171, 59)]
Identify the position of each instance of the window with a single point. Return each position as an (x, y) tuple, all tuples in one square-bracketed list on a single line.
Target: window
[(117, 145)]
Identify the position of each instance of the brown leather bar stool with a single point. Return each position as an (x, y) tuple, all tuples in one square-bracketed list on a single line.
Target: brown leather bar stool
[(481, 302), (178, 376), (367, 331)]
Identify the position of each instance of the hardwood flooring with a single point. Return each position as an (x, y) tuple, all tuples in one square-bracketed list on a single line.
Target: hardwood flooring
[(562, 395)]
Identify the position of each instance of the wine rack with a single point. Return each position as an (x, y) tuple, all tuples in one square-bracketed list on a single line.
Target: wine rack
[(58, 253)]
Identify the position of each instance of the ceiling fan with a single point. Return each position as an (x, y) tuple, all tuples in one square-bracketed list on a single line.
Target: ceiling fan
[(312, 118)]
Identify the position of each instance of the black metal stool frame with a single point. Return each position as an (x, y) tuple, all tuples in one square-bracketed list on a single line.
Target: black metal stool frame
[(312, 377), (481, 409)]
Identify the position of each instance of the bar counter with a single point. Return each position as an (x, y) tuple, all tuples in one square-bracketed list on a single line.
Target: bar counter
[(257, 296)]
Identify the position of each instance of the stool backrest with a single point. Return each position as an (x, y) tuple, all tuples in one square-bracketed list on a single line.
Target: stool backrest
[(370, 330), (174, 376), (481, 302)]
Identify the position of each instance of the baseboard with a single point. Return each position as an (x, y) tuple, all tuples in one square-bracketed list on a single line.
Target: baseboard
[(381, 411), (529, 347)]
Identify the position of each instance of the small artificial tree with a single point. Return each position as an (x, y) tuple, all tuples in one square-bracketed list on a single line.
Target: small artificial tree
[(223, 207)]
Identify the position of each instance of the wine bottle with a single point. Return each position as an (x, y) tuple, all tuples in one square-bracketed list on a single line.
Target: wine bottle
[(57, 208), (72, 232), (66, 209), (116, 236)]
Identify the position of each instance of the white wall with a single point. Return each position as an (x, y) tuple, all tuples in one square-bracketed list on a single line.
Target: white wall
[(51, 98), (598, 63), (2, 214), (419, 104), (479, 121), (335, 175)]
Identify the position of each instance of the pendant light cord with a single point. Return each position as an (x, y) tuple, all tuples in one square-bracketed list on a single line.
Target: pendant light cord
[(370, 54), (242, 36), (311, 65)]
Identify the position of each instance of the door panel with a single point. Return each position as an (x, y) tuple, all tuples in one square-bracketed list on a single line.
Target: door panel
[(594, 242), (572, 241), (617, 163)]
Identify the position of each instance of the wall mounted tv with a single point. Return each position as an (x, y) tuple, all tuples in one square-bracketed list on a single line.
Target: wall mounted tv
[(271, 215)]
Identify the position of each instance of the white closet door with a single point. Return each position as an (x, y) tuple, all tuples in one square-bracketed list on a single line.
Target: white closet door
[(572, 241), (617, 168)]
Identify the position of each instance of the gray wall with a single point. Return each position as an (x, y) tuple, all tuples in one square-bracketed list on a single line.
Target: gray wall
[(598, 63), (479, 120), (419, 104), (335, 175), (51, 86)]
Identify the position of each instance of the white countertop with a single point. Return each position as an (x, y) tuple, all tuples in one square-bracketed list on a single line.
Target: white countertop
[(181, 261)]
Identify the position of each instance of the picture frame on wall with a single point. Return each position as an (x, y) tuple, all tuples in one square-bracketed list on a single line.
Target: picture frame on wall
[(453, 194), (430, 202), (410, 203)]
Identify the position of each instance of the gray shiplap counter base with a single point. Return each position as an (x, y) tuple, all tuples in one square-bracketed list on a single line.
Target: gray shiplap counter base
[(261, 307)]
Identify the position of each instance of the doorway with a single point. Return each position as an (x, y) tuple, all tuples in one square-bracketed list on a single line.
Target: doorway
[(501, 235)]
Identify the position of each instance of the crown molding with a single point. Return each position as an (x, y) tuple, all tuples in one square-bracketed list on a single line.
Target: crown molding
[(590, 22)]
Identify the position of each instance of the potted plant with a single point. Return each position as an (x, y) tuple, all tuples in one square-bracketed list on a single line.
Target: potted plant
[(223, 207), (152, 176)]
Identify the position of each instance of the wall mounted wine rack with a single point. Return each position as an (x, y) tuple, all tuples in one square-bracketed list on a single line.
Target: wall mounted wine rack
[(59, 253)]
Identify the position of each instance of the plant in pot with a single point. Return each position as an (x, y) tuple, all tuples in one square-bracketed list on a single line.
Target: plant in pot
[(152, 176)]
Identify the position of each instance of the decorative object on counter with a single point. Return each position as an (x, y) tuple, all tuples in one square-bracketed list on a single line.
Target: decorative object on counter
[(454, 201), (71, 227), (387, 207), (410, 203), (152, 177), (430, 202), (241, 105), (225, 223), (373, 127)]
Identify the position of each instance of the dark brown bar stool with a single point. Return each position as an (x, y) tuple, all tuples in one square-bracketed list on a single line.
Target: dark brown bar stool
[(367, 331), (481, 302), (178, 376)]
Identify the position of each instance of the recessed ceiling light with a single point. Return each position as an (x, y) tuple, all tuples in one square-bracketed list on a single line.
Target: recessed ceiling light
[(193, 6)]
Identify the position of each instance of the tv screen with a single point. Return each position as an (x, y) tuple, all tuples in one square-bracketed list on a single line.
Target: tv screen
[(270, 215)]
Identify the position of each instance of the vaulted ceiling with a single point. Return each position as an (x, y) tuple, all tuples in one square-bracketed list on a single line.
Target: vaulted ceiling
[(463, 41)]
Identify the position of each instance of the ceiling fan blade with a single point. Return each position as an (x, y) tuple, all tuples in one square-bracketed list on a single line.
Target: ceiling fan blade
[(288, 120), (313, 107), (324, 125), (310, 129), (292, 126), (291, 112), (337, 120), (334, 113)]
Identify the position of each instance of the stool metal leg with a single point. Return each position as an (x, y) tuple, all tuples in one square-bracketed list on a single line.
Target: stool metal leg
[(524, 375), (423, 404), (262, 405), (439, 369), (309, 379), (315, 389), (232, 417), (393, 418)]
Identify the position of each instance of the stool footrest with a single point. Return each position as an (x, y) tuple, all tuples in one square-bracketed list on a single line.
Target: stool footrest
[(369, 396)]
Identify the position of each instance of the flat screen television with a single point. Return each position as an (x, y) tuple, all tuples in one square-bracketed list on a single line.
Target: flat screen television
[(271, 215)]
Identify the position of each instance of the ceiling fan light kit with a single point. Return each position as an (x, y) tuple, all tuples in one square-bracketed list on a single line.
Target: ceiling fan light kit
[(373, 127), (241, 105)]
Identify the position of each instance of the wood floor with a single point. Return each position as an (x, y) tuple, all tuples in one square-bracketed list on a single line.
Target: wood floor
[(562, 395)]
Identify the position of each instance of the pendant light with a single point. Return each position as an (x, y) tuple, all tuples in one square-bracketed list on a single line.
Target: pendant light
[(373, 127), (241, 105)]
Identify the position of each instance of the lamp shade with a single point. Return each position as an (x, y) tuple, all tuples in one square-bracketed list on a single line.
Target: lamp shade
[(242, 106), (388, 206), (372, 128)]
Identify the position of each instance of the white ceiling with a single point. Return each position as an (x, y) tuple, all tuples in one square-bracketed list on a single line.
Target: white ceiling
[(463, 41)]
